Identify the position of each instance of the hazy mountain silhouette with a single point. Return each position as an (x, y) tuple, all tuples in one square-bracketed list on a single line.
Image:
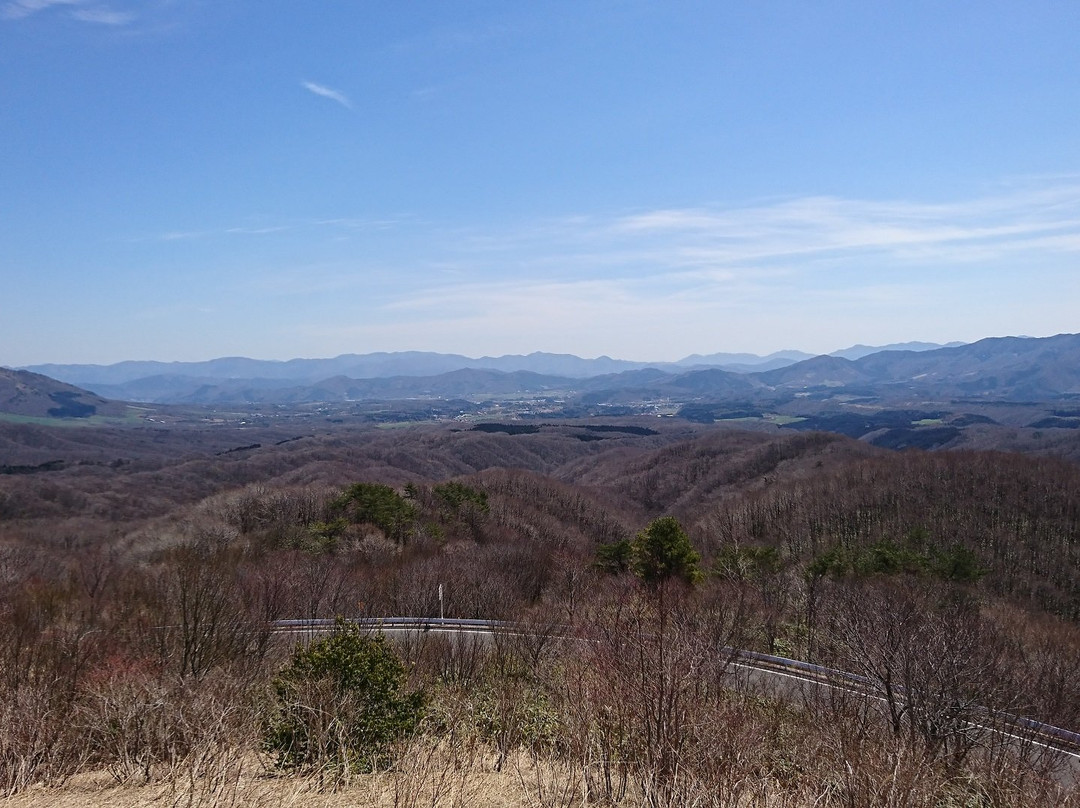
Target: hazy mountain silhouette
[(1003, 368)]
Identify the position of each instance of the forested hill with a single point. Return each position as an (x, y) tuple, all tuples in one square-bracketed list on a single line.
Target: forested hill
[(32, 395), (959, 572)]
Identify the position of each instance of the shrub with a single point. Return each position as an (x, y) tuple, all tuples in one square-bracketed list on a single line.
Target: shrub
[(379, 505), (458, 498), (746, 563), (341, 702), (916, 555), (614, 557)]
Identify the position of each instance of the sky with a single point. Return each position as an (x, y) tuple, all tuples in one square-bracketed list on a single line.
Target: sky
[(190, 179)]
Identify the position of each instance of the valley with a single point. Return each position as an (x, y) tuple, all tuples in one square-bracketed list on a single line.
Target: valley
[(929, 547)]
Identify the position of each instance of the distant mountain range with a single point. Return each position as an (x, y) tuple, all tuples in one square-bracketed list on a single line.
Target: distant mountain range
[(1005, 368), (165, 382)]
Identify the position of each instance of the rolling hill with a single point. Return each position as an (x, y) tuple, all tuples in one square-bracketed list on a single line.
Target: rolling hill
[(32, 395)]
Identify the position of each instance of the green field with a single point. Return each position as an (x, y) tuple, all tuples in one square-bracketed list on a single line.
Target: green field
[(128, 419), (783, 420)]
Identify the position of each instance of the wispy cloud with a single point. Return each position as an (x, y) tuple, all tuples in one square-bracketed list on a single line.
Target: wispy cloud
[(327, 92), (338, 227), (816, 226), (19, 9), (811, 232), (81, 10), (103, 16), (816, 272)]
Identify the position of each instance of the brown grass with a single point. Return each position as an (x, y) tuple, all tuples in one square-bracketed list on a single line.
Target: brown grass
[(433, 774), (427, 775)]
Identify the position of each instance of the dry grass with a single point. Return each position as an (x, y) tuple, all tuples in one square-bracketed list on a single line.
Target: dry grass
[(427, 775), (433, 775)]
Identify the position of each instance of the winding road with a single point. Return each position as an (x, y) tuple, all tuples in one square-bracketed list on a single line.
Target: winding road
[(788, 679)]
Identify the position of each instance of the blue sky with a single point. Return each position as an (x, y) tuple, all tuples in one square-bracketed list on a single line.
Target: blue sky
[(188, 179)]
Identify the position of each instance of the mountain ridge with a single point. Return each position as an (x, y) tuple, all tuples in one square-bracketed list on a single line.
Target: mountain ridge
[(406, 363), (997, 368)]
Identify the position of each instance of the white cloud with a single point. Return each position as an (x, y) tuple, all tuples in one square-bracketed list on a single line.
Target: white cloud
[(79, 9), (815, 273), (326, 92), (340, 225), (24, 8), (103, 16), (815, 226)]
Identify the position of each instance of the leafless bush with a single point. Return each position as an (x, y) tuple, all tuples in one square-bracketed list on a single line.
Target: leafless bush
[(142, 727), (926, 652), (436, 770), (528, 645), (551, 782), (643, 690), (197, 594), (861, 758), (455, 659), (45, 648), (37, 742), (275, 517)]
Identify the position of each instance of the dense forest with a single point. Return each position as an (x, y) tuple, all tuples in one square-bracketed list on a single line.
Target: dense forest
[(143, 571)]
